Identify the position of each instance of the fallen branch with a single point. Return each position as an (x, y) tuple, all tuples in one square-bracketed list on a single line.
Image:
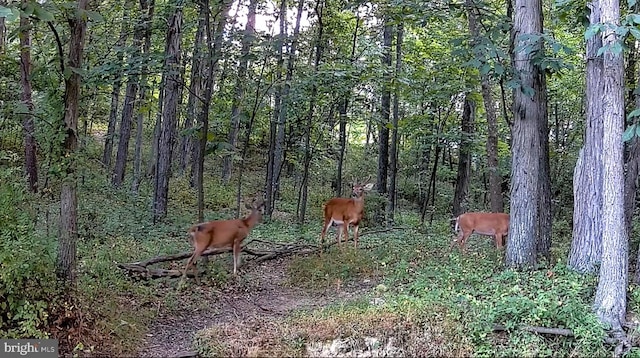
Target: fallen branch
[(537, 329)]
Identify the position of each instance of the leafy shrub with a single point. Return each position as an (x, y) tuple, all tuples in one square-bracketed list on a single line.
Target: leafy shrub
[(27, 281)]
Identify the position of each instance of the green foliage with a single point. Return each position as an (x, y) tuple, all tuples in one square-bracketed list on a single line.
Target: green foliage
[(27, 280)]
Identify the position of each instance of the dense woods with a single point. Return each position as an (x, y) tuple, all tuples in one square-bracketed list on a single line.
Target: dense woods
[(123, 123)]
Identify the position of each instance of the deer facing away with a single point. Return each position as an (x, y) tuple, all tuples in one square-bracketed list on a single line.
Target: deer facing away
[(222, 234), (344, 212)]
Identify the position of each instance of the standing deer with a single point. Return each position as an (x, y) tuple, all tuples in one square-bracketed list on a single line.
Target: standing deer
[(344, 212), (491, 224), (222, 234)]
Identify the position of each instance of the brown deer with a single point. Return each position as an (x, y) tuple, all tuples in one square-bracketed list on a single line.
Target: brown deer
[(344, 212), (490, 224), (223, 234)]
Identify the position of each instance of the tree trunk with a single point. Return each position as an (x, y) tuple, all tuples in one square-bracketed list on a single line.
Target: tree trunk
[(214, 55), (169, 114), (203, 115), (195, 92), (302, 203), (234, 127), (28, 127), (68, 236), (495, 180), (147, 12), (273, 125), (117, 83), (129, 103), (586, 244), (464, 157), (611, 300), (385, 109), (393, 159), (529, 109)]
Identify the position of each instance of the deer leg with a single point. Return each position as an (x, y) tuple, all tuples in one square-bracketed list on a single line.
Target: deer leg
[(325, 227), (236, 253), (464, 236), (345, 228), (355, 235), (192, 261), (499, 241)]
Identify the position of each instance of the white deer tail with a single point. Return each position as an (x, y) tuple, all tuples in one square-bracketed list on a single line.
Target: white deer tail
[(457, 226)]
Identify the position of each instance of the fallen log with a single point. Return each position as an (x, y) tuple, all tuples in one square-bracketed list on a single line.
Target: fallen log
[(256, 255), (537, 329)]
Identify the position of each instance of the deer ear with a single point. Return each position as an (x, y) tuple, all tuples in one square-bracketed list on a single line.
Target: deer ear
[(369, 186)]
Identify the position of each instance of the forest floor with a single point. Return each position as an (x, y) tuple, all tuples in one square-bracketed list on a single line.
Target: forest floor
[(260, 294)]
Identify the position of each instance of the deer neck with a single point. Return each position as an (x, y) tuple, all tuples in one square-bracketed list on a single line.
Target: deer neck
[(253, 218)]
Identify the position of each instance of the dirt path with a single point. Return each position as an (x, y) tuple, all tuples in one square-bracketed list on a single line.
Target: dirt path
[(259, 294)]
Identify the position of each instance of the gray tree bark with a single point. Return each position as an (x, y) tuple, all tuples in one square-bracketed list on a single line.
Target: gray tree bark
[(68, 235), (169, 114), (611, 298), (586, 243), (464, 157), (117, 84), (528, 110), (28, 127), (234, 127), (131, 93)]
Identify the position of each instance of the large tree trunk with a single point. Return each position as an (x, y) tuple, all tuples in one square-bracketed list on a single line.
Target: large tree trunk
[(495, 180), (529, 110), (28, 127), (169, 114), (611, 299), (234, 127), (586, 244), (464, 157), (66, 261), (129, 102), (147, 13), (393, 159), (385, 109), (117, 83)]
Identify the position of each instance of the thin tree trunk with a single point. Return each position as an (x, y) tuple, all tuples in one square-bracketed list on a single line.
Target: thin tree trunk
[(302, 203), (155, 142), (611, 295), (169, 114), (393, 160), (28, 127), (464, 157), (195, 92), (66, 260), (385, 108), (495, 180), (214, 56), (280, 144), (234, 128), (129, 103), (586, 243), (117, 84), (144, 87)]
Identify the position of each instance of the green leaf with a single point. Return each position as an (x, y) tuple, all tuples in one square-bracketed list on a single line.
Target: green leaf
[(591, 31), (628, 133), (5, 11), (634, 113), (43, 14), (635, 32), (637, 131), (631, 3)]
